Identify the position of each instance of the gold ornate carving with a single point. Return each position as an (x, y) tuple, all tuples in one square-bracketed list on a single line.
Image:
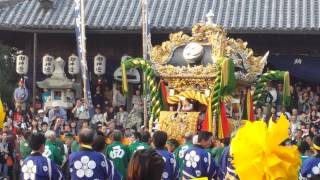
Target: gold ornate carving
[(186, 71), (221, 46), (177, 124), (160, 54), (244, 58), (201, 33), (189, 84), (212, 33)]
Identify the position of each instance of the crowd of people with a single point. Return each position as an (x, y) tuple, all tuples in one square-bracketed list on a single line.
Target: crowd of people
[(59, 137), (303, 113), (56, 122)]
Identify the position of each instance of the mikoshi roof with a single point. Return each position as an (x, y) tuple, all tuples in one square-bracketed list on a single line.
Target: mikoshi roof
[(248, 16)]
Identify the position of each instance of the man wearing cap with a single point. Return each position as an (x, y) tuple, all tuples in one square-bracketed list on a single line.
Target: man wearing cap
[(310, 168), (37, 166), (181, 150), (57, 112), (42, 117), (100, 129), (88, 164), (21, 95)]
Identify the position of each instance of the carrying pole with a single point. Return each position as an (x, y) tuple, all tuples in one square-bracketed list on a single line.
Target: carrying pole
[(34, 75), (145, 33)]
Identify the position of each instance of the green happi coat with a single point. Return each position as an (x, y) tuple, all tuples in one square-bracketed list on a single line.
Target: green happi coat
[(137, 145), (75, 146), (179, 154), (53, 152), (217, 154), (25, 149), (119, 155), (60, 146)]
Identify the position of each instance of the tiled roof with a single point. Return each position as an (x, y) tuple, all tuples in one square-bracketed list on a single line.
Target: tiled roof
[(6, 3), (261, 16)]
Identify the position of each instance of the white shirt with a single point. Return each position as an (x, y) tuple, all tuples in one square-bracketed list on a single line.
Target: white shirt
[(273, 93)]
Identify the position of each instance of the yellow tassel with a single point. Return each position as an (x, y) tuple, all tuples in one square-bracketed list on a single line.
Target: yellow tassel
[(124, 79), (2, 114)]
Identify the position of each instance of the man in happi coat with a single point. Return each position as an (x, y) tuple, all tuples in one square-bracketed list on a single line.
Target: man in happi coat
[(118, 153), (310, 168), (171, 170), (36, 166), (52, 151), (227, 170), (140, 142), (181, 150), (88, 164), (198, 162)]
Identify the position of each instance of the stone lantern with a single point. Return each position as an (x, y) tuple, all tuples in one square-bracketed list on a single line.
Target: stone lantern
[(59, 86)]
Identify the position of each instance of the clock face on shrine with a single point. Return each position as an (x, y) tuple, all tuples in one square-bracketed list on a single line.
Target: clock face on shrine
[(193, 52)]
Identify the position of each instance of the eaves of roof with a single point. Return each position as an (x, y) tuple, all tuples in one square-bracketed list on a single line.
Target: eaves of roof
[(124, 16)]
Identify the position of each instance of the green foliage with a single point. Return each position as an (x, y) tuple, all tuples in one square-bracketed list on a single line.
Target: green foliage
[(8, 75)]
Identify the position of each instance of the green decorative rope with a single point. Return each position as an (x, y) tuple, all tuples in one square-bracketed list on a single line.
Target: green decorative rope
[(150, 81), (216, 96), (260, 92), (223, 85), (216, 91)]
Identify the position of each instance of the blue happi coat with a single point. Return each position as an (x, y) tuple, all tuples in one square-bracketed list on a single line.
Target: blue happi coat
[(199, 163), (171, 170), (88, 164), (227, 170), (310, 168), (38, 167)]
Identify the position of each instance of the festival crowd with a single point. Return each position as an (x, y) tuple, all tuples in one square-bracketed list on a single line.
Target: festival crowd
[(112, 143)]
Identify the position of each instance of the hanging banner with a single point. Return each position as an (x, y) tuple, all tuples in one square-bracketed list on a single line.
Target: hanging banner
[(297, 65), (81, 46)]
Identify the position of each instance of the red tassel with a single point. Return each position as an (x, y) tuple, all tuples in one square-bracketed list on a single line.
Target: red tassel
[(164, 92), (224, 120), (205, 123), (249, 107)]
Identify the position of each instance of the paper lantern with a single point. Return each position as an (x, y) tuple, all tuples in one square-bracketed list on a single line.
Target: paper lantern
[(73, 65), (22, 64), (99, 65), (47, 64)]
